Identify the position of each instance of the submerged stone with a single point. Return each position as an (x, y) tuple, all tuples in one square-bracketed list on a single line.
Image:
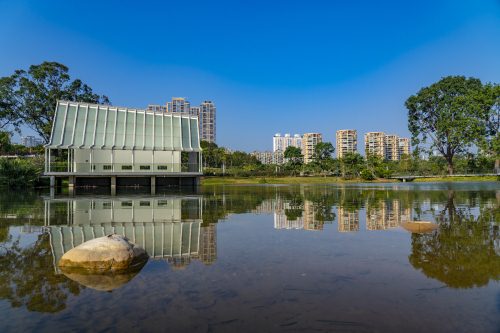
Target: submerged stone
[(112, 253)]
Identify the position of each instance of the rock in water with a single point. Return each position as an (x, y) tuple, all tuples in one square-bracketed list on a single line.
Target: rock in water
[(104, 254)]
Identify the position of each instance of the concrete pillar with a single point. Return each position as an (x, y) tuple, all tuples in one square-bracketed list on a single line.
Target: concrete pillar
[(153, 185), (71, 181), (52, 181), (113, 185)]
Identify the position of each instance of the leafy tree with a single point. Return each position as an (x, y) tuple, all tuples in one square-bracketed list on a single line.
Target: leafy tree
[(5, 144), (293, 154), (351, 165), (489, 142), (323, 151), (8, 104), (447, 113), (30, 96)]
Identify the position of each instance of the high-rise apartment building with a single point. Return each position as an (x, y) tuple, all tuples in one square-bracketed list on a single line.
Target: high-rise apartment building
[(31, 141), (391, 147), (178, 104), (375, 144), (269, 157), (346, 142), (280, 143), (207, 117), (309, 142), (157, 108), (404, 146)]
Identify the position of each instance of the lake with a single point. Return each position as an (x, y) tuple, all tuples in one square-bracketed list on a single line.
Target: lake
[(398, 257)]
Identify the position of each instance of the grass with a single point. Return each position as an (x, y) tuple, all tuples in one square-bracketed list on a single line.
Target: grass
[(326, 180), (458, 179), (278, 180)]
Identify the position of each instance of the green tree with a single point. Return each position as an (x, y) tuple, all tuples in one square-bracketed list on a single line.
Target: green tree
[(489, 142), (5, 145), (293, 154), (323, 151), (448, 113), (30, 96), (8, 104), (351, 165)]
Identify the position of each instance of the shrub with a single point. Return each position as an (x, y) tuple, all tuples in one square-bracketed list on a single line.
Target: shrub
[(16, 173)]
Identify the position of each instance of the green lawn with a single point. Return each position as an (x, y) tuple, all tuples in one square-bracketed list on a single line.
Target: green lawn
[(325, 180)]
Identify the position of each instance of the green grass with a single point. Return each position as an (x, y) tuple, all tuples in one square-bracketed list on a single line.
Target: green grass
[(278, 180), (326, 180), (458, 179)]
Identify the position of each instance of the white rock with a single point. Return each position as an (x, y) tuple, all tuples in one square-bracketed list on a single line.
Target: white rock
[(109, 253)]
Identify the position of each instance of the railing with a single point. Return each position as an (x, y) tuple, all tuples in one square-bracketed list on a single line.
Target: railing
[(123, 167)]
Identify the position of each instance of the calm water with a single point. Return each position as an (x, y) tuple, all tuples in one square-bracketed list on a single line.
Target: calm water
[(260, 258)]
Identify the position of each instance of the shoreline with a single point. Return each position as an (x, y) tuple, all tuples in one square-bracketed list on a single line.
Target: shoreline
[(254, 180)]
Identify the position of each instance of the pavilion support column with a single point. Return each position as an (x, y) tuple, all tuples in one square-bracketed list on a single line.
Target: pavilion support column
[(71, 181), (113, 185), (153, 185), (52, 181)]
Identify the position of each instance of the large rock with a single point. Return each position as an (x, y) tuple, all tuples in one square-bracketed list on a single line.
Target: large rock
[(112, 253)]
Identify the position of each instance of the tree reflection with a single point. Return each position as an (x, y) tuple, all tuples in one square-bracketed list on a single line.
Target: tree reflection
[(463, 252), (27, 277)]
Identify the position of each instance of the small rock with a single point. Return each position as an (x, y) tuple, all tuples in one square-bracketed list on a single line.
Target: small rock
[(104, 254)]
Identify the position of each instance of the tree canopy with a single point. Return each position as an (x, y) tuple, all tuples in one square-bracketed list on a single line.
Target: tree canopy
[(29, 97), (451, 114)]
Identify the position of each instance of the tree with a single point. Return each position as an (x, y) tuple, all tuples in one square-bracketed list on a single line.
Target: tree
[(30, 96), (447, 113), (293, 154), (351, 165), (489, 142), (5, 144), (8, 104), (323, 151)]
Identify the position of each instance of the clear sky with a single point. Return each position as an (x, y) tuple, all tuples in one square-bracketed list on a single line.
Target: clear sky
[(270, 66)]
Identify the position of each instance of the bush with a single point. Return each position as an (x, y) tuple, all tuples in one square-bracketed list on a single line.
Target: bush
[(16, 173), (367, 174)]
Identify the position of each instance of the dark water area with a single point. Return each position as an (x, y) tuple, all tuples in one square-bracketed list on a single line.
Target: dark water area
[(308, 258)]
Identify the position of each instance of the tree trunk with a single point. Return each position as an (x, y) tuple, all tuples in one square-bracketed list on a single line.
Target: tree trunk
[(497, 165), (450, 165)]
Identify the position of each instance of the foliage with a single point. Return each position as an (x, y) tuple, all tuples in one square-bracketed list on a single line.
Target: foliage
[(27, 278), (30, 96), (18, 173), (323, 151), (449, 113), (351, 165)]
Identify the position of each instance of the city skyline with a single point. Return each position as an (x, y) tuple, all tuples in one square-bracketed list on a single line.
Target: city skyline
[(369, 58)]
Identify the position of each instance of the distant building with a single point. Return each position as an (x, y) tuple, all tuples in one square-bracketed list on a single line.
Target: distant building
[(269, 157), (391, 143), (283, 142), (390, 147), (346, 142), (375, 144), (206, 116), (157, 108), (404, 146), (179, 104), (31, 141), (309, 142)]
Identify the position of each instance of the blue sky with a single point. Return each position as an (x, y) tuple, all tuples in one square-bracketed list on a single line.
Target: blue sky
[(270, 66)]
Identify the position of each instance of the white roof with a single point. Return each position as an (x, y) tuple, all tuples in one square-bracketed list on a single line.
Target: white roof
[(92, 126)]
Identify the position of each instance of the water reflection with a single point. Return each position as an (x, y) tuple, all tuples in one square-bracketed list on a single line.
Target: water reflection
[(181, 229), (168, 228)]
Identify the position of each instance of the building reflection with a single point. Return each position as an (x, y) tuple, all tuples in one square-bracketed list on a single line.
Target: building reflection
[(305, 214), (168, 228), (348, 220), (386, 214)]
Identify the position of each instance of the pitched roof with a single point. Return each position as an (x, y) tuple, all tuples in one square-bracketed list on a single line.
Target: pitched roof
[(92, 126)]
